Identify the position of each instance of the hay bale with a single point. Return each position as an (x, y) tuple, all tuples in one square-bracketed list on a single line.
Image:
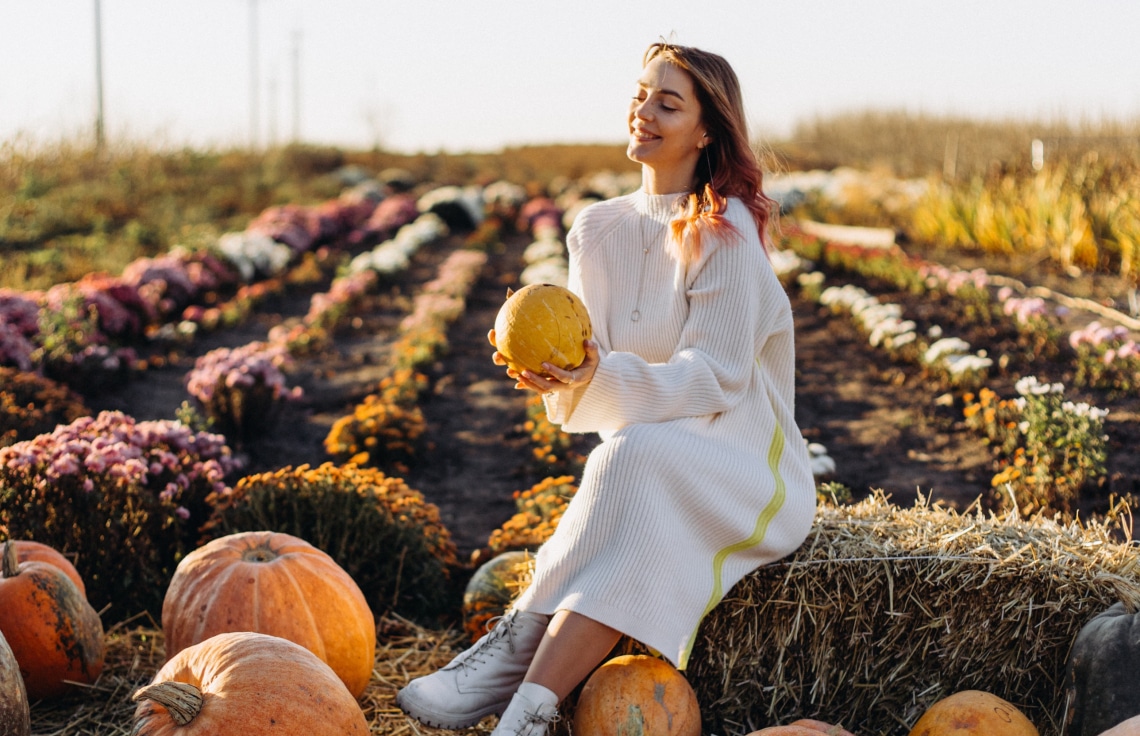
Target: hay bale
[(884, 610)]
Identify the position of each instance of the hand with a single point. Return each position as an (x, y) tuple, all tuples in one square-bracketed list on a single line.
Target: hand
[(558, 379)]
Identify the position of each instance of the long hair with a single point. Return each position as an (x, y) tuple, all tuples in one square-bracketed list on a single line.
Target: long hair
[(728, 167)]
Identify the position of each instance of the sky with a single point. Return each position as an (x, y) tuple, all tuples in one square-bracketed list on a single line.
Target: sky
[(478, 75)]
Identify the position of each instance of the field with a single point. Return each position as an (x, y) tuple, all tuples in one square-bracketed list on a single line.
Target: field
[(400, 354)]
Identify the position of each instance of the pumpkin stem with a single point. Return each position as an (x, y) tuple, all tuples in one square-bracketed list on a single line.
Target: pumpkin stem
[(10, 566), (261, 553), (182, 700)]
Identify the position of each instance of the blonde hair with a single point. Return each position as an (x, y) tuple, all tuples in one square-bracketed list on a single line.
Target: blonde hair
[(728, 166)]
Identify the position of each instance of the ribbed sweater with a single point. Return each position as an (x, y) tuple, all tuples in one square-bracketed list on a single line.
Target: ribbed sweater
[(702, 474)]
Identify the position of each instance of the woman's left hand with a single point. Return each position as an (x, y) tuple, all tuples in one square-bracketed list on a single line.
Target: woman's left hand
[(559, 379)]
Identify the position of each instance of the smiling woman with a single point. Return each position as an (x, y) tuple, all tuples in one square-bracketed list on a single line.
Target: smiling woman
[(702, 474)]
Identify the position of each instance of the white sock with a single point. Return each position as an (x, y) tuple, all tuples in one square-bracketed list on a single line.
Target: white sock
[(538, 694)]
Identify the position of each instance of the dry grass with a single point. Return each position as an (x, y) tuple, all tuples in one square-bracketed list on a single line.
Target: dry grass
[(404, 650), (882, 612), (885, 610)]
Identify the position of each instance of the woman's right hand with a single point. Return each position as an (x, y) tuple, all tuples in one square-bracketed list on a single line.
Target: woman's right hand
[(560, 380)]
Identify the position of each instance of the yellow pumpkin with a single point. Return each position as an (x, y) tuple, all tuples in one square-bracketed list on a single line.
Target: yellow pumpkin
[(542, 323), (637, 695), (973, 713)]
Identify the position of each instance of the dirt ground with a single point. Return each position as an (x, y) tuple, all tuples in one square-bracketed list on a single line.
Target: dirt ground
[(877, 420)]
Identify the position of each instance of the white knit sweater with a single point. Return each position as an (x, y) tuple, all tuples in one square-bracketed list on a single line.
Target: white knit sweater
[(702, 475)]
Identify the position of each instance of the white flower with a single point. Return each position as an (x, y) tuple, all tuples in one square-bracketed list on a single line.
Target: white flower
[(888, 328), (784, 261), (902, 338), (550, 271), (822, 465), (961, 363), (540, 250), (945, 346), (1082, 409), (1029, 385), (813, 278)]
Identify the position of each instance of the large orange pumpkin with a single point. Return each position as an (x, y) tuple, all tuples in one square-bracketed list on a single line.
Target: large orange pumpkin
[(973, 713), (15, 718), (277, 584), (637, 695), (542, 323), (55, 634), (246, 683), (29, 551)]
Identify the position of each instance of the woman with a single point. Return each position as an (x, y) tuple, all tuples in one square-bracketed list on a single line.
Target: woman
[(702, 475)]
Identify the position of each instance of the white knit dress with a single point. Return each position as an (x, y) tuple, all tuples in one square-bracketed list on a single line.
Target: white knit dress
[(702, 474)]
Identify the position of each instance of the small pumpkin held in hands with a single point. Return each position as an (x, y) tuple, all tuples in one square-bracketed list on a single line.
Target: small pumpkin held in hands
[(246, 683), (636, 694), (542, 323), (277, 584), (54, 633)]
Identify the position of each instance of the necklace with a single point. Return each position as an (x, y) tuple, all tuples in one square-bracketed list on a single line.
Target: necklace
[(635, 315)]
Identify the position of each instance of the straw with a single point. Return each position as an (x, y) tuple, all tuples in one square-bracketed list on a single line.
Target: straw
[(884, 610)]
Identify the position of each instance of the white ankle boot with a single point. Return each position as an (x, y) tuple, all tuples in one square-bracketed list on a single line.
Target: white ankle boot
[(532, 709), (481, 680)]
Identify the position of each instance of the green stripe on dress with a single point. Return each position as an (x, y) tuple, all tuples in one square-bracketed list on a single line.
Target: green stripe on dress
[(775, 452)]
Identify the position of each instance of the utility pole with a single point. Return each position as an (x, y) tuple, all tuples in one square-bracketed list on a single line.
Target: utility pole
[(296, 86), (99, 135), (253, 80)]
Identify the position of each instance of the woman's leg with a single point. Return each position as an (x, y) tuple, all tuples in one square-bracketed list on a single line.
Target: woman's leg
[(571, 648)]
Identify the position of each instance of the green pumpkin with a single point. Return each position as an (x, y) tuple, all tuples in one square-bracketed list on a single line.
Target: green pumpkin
[(492, 589), (15, 719), (1102, 684)]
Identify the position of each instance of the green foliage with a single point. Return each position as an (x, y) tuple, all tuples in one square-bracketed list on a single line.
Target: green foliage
[(380, 531), (834, 493), (1049, 448)]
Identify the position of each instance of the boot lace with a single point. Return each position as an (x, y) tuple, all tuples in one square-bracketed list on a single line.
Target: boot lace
[(502, 627), (537, 722)]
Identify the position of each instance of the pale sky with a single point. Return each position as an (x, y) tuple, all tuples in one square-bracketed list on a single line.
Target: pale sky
[(475, 75)]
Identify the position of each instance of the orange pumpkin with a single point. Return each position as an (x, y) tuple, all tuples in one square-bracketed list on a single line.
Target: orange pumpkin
[(542, 323), (15, 718), (55, 634), (635, 694), (244, 682), (277, 584), (973, 713), (803, 727), (29, 551)]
